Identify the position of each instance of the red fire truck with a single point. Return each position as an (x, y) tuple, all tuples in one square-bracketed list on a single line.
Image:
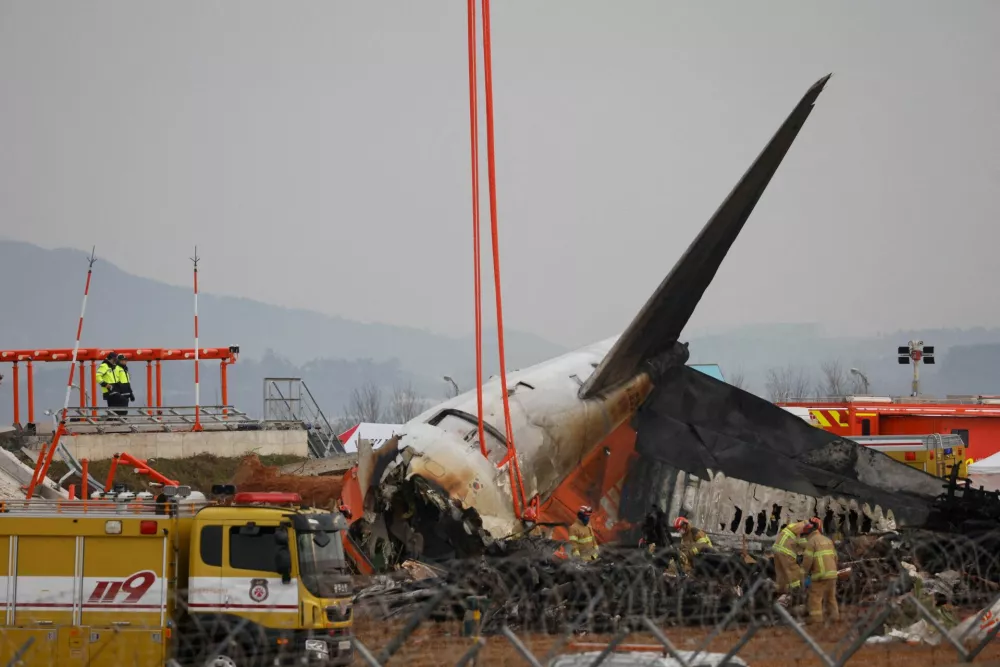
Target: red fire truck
[(976, 419)]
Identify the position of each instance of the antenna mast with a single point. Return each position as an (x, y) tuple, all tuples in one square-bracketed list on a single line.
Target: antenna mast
[(197, 385), (45, 456)]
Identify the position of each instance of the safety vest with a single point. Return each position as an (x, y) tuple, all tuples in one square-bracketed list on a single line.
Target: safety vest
[(694, 540), (106, 376), (122, 380), (583, 541), (820, 558), (790, 536)]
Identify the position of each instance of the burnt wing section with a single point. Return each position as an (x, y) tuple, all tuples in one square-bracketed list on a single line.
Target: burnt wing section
[(695, 423), (660, 322)]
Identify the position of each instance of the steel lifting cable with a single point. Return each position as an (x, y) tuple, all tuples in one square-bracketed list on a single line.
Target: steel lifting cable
[(514, 470), (477, 279)]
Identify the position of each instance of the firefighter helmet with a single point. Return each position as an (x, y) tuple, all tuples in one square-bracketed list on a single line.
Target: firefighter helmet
[(681, 522)]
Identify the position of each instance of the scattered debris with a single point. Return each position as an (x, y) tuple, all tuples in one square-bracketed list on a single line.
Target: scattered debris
[(419, 570), (971, 631), (334, 465), (527, 589), (650, 658)]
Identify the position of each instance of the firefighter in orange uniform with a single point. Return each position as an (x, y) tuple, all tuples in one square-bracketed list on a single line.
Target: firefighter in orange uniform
[(819, 564), (583, 542)]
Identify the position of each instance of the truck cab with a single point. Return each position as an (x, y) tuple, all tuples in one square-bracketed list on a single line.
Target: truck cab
[(253, 579), (268, 579)]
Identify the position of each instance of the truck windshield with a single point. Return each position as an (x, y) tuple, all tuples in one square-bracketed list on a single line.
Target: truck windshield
[(323, 569)]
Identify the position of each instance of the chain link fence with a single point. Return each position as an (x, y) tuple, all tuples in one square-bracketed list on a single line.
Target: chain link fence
[(927, 597), (914, 599)]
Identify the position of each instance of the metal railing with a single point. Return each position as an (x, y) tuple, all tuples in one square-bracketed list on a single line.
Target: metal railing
[(103, 507), (288, 401), (891, 400), (81, 421)]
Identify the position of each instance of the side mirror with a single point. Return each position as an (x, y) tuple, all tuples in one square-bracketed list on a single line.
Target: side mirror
[(283, 564), (281, 537), (321, 539)]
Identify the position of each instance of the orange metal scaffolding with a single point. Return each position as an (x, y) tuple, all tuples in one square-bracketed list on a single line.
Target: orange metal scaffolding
[(152, 356)]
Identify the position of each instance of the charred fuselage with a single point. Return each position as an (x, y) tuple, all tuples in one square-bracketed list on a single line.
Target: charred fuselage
[(436, 493)]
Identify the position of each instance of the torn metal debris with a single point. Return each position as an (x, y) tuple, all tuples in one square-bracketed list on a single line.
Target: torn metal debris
[(528, 590)]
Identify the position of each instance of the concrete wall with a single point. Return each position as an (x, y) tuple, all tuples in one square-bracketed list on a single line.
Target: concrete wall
[(14, 474), (182, 445)]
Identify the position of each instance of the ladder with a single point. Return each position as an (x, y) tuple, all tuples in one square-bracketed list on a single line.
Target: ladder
[(289, 400)]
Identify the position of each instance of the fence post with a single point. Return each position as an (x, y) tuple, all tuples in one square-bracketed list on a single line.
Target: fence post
[(473, 619), (472, 624)]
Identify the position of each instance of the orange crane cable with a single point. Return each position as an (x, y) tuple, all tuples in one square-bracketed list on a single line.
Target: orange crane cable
[(515, 470), (477, 278)]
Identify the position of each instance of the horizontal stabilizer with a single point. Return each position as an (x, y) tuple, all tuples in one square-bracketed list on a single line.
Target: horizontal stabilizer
[(696, 423), (659, 324)]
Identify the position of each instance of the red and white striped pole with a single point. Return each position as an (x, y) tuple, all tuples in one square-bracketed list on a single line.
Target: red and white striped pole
[(197, 385), (45, 456)]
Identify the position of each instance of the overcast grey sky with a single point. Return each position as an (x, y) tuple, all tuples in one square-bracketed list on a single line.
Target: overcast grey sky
[(317, 152)]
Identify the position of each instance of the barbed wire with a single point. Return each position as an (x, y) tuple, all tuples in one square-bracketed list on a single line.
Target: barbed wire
[(934, 597)]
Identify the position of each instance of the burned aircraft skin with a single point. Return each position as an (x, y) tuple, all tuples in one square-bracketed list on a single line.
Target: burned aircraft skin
[(439, 495), (711, 425), (553, 429)]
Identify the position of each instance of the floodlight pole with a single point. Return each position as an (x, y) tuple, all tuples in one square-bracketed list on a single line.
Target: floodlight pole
[(916, 353)]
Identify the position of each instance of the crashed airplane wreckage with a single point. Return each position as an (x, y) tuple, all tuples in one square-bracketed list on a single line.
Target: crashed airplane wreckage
[(434, 494)]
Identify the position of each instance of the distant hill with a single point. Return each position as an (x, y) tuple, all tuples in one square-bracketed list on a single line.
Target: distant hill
[(335, 355), (126, 310)]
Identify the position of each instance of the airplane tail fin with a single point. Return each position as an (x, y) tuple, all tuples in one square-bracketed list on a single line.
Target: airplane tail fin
[(658, 325)]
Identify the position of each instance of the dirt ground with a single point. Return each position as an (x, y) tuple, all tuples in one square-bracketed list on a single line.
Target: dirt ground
[(248, 473), (254, 474), (200, 472), (435, 644)]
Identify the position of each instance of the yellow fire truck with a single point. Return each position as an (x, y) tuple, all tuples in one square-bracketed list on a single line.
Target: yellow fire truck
[(934, 453), (119, 580)]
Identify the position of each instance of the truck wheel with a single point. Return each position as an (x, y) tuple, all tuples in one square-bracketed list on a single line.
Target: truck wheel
[(224, 661), (230, 657)]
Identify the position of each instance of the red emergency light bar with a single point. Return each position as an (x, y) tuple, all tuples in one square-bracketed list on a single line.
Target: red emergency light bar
[(267, 497)]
